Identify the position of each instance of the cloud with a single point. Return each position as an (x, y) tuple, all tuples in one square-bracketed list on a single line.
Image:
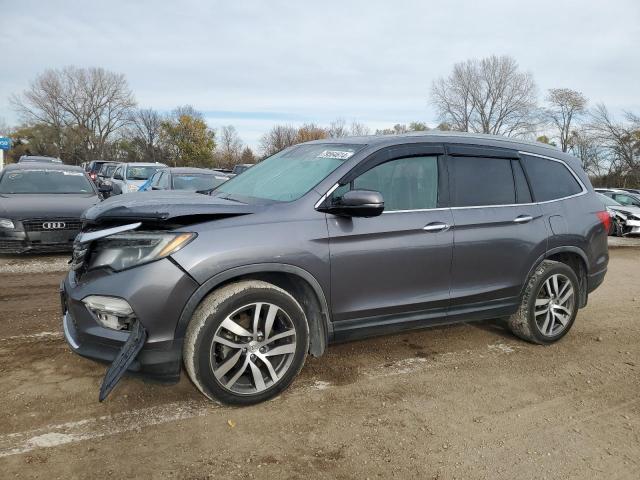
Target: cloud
[(255, 63)]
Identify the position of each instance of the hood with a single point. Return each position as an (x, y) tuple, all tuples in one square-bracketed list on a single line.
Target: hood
[(23, 206), (626, 209), (177, 206)]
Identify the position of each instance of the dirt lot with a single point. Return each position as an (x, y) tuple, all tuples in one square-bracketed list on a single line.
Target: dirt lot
[(469, 401)]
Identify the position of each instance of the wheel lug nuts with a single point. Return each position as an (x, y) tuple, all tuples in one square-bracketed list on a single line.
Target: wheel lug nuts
[(263, 349), (253, 357)]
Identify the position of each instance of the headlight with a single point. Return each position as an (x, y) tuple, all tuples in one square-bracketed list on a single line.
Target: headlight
[(6, 223), (133, 188), (126, 250)]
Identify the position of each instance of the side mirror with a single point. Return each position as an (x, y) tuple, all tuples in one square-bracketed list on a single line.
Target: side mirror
[(105, 188), (357, 203)]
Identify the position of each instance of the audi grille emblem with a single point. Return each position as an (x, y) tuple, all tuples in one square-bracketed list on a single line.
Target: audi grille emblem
[(53, 225)]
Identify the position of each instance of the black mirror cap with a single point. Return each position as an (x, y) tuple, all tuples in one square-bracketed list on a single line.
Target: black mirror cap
[(105, 188), (357, 203)]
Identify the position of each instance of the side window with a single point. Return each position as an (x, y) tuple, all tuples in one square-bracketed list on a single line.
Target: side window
[(481, 181), (163, 181), (626, 200), (523, 195), (550, 180), (405, 183), (118, 173)]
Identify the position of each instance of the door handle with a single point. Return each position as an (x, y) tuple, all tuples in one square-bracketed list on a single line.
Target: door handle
[(436, 227), (523, 219)]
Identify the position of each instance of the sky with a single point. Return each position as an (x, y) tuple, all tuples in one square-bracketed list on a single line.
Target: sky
[(253, 64)]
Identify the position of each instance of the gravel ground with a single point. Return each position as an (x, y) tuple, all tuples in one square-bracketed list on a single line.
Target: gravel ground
[(469, 401)]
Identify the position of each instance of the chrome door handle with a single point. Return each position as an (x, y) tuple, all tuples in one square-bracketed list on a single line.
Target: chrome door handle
[(436, 227), (522, 219)]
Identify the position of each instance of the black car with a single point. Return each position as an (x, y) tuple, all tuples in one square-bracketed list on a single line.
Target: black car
[(185, 178), (93, 167), (41, 204), (105, 173)]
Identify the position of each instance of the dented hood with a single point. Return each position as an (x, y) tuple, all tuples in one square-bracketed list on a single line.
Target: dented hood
[(163, 206)]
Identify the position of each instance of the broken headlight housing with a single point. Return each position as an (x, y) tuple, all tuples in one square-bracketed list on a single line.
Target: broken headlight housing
[(129, 249)]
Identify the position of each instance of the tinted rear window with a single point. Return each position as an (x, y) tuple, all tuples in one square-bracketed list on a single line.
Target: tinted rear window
[(550, 180), (481, 181)]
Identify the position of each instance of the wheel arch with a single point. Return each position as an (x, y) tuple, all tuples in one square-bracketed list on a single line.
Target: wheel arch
[(572, 256), (298, 282)]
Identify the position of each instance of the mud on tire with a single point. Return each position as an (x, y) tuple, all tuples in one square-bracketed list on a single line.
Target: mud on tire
[(523, 323)]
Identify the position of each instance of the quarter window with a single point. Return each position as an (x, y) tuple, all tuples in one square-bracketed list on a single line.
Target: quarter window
[(405, 184), (481, 181), (550, 180)]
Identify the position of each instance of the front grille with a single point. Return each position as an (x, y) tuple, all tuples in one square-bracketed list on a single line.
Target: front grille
[(52, 225)]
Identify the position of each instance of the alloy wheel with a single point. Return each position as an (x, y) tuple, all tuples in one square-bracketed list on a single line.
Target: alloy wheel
[(253, 348), (555, 304)]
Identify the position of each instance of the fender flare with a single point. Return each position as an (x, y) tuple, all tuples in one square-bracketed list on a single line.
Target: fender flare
[(321, 330), (553, 251)]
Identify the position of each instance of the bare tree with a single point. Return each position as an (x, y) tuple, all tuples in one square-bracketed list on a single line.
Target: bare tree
[(489, 95), (87, 105), (338, 128), (145, 130), (358, 129), (565, 107), (229, 146), (620, 139), (277, 139)]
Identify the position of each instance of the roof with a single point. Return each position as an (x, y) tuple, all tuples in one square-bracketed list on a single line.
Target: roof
[(144, 164), (42, 165), (192, 170), (436, 136)]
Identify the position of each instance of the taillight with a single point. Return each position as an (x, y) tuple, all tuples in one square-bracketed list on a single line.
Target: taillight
[(93, 175), (605, 219)]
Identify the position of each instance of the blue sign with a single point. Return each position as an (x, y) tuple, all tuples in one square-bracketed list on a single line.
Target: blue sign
[(5, 143)]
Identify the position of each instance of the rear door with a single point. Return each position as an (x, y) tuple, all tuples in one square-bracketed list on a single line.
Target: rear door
[(393, 269), (499, 232)]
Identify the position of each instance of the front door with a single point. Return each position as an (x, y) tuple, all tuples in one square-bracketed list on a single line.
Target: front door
[(393, 269)]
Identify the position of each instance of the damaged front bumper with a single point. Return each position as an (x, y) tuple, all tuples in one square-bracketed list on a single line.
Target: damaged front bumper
[(159, 354)]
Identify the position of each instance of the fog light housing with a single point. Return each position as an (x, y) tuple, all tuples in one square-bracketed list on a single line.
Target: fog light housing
[(111, 312)]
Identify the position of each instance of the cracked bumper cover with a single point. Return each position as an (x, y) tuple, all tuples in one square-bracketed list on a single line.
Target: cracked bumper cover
[(157, 292)]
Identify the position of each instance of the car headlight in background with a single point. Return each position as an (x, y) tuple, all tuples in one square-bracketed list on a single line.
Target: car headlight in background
[(126, 250), (132, 188), (6, 223)]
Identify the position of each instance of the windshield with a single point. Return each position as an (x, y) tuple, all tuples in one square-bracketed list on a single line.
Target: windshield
[(197, 181), (107, 170), (609, 202), (289, 174), (140, 173), (45, 181)]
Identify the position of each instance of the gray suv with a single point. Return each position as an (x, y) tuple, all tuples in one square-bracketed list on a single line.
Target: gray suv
[(329, 241)]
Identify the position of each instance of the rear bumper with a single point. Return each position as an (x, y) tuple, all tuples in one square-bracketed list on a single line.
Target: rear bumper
[(594, 280), (157, 292)]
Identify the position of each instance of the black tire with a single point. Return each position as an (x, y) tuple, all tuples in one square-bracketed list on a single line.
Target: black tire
[(523, 323), (199, 350)]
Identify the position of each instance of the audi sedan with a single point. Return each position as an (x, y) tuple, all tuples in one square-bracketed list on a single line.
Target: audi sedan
[(40, 206)]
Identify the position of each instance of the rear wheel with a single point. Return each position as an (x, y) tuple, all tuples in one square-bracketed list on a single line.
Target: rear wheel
[(549, 305), (246, 342)]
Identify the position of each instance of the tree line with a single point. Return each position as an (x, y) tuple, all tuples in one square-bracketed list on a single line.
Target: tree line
[(86, 114)]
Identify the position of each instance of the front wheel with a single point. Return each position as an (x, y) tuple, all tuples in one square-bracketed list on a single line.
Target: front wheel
[(549, 304), (246, 342)]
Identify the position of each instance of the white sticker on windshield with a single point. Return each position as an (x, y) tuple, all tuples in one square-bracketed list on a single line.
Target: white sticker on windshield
[(338, 154)]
